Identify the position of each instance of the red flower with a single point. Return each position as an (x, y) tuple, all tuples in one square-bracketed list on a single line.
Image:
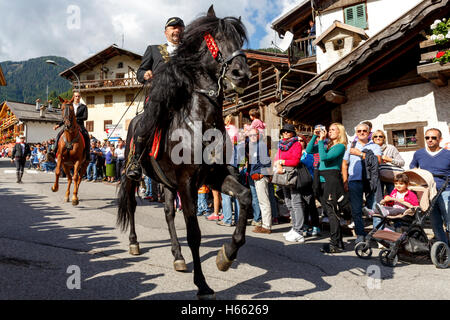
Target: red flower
[(440, 54)]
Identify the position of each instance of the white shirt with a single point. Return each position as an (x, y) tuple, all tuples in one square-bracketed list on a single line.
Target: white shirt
[(75, 107), (120, 153), (171, 47), (431, 153)]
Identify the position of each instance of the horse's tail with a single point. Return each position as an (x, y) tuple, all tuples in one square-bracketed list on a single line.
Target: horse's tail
[(126, 202), (126, 197)]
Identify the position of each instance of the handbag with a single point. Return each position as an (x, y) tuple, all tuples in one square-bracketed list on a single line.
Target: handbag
[(387, 173), (286, 179), (304, 178)]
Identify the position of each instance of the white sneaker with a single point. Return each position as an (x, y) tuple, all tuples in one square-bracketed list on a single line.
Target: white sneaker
[(295, 237), (142, 190), (288, 233)]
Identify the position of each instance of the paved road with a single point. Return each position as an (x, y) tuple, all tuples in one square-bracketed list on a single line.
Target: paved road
[(41, 237)]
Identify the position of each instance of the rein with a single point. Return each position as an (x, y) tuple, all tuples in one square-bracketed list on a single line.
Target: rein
[(224, 65)]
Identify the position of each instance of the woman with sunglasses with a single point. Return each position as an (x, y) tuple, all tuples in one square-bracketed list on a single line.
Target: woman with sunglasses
[(288, 155), (328, 181), (391, 159)]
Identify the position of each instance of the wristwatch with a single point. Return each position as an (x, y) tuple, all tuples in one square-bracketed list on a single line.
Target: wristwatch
[(280, 162)]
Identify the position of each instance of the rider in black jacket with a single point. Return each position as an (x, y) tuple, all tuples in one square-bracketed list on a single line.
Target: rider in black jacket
[(81, 113), (155, 56)]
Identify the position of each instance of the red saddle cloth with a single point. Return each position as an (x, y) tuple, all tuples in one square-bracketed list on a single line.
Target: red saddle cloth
[(156, 144)]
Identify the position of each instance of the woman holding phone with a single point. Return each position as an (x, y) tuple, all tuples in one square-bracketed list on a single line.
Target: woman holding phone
[(331, 183)]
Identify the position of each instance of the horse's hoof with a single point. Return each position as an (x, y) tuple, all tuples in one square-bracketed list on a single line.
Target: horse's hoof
[(66, 199), (75, 202), (203, 297), (134, 249), (222, 262), (54, 189), (180, 266)]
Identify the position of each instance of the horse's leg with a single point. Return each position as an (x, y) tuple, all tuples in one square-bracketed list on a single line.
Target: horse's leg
[(57, 173), (76, 183), (228, 252), (69, 182), (169, 209), (189, 201)]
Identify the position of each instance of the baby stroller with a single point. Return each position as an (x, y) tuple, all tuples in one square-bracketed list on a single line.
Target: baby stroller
[(412, 242)]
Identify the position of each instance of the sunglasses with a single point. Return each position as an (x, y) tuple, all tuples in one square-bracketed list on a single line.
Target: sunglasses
[(431, 138), (378, 137), (360, 131), (252, 135)]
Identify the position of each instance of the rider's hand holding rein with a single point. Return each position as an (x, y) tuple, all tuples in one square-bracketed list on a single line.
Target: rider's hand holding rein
[(56, 127)]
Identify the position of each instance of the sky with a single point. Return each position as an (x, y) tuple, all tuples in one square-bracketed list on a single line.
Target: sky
[(78, 29)]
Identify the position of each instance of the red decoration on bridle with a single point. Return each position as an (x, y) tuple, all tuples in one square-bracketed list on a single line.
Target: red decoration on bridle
[(212, 45)]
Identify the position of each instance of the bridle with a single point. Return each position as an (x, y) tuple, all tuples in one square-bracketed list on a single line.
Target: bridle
[(224, 66), (67, 115)]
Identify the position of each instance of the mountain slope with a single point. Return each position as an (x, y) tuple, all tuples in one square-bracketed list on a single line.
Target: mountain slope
[(27, 80)]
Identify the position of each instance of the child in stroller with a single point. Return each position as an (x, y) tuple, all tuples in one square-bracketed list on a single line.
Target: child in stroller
[(411, 241), (400, 200)]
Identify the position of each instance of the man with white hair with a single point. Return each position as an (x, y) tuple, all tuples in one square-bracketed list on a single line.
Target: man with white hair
[(352, 173)]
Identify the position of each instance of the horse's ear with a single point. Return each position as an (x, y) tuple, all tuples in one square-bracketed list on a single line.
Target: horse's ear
[(61, 99), (71, 100), (211, 12)]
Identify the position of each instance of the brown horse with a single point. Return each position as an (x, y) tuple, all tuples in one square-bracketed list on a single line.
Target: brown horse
[(70, 152)]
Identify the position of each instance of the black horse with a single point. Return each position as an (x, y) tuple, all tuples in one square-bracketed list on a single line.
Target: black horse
[(187, 94)]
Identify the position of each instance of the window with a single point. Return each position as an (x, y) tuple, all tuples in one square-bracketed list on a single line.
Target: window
[(120, 65), (108, 101), (406, 136), (90, 126), (105, 123), (120, 75), (90, 101), (356, 16), (90, 77)]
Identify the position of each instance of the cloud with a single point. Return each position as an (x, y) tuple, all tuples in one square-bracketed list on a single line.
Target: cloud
[(46, 27)]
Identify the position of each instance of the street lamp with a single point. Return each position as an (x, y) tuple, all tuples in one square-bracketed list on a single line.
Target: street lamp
[(55, 64)]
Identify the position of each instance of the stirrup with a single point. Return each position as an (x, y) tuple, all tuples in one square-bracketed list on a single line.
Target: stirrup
[(134, 171)]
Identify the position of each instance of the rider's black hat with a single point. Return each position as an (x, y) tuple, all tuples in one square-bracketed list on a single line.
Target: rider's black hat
[(174, 21)]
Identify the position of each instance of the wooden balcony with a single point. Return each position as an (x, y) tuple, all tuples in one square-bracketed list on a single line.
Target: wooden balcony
[(106, 85), (433, 71)]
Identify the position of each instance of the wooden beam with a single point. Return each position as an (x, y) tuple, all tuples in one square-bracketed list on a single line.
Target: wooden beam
[(335, 97)]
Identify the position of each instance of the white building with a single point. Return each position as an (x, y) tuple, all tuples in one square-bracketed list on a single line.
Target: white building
[(386, 77), (108, 85), (23, 119)]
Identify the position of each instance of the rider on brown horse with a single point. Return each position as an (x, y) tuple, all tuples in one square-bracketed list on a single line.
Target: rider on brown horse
[(81, 113)]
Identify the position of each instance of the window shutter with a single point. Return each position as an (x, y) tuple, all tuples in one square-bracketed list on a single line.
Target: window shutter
[(361, 18), (350, 16)]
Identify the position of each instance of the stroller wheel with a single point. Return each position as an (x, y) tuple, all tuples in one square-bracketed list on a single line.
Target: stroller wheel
[(440, 255), (363, 250), (385, 261)]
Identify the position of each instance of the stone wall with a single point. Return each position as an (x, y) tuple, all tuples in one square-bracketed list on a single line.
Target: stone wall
[(422, 102)]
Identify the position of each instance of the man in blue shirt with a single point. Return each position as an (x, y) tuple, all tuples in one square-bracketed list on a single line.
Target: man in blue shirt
[(94, 153), (435, 159), (352, 173)]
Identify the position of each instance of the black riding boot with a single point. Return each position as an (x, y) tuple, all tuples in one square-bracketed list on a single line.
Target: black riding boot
[(134, 171), (19, 179)]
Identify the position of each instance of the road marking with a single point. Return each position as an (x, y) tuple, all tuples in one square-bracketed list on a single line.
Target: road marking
[(14, 171)]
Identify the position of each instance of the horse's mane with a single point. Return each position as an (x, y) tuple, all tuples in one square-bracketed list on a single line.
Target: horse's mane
[(173, 84)]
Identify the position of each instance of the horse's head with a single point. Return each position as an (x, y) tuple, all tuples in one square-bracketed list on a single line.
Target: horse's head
[(68, 113), (221, 41)]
